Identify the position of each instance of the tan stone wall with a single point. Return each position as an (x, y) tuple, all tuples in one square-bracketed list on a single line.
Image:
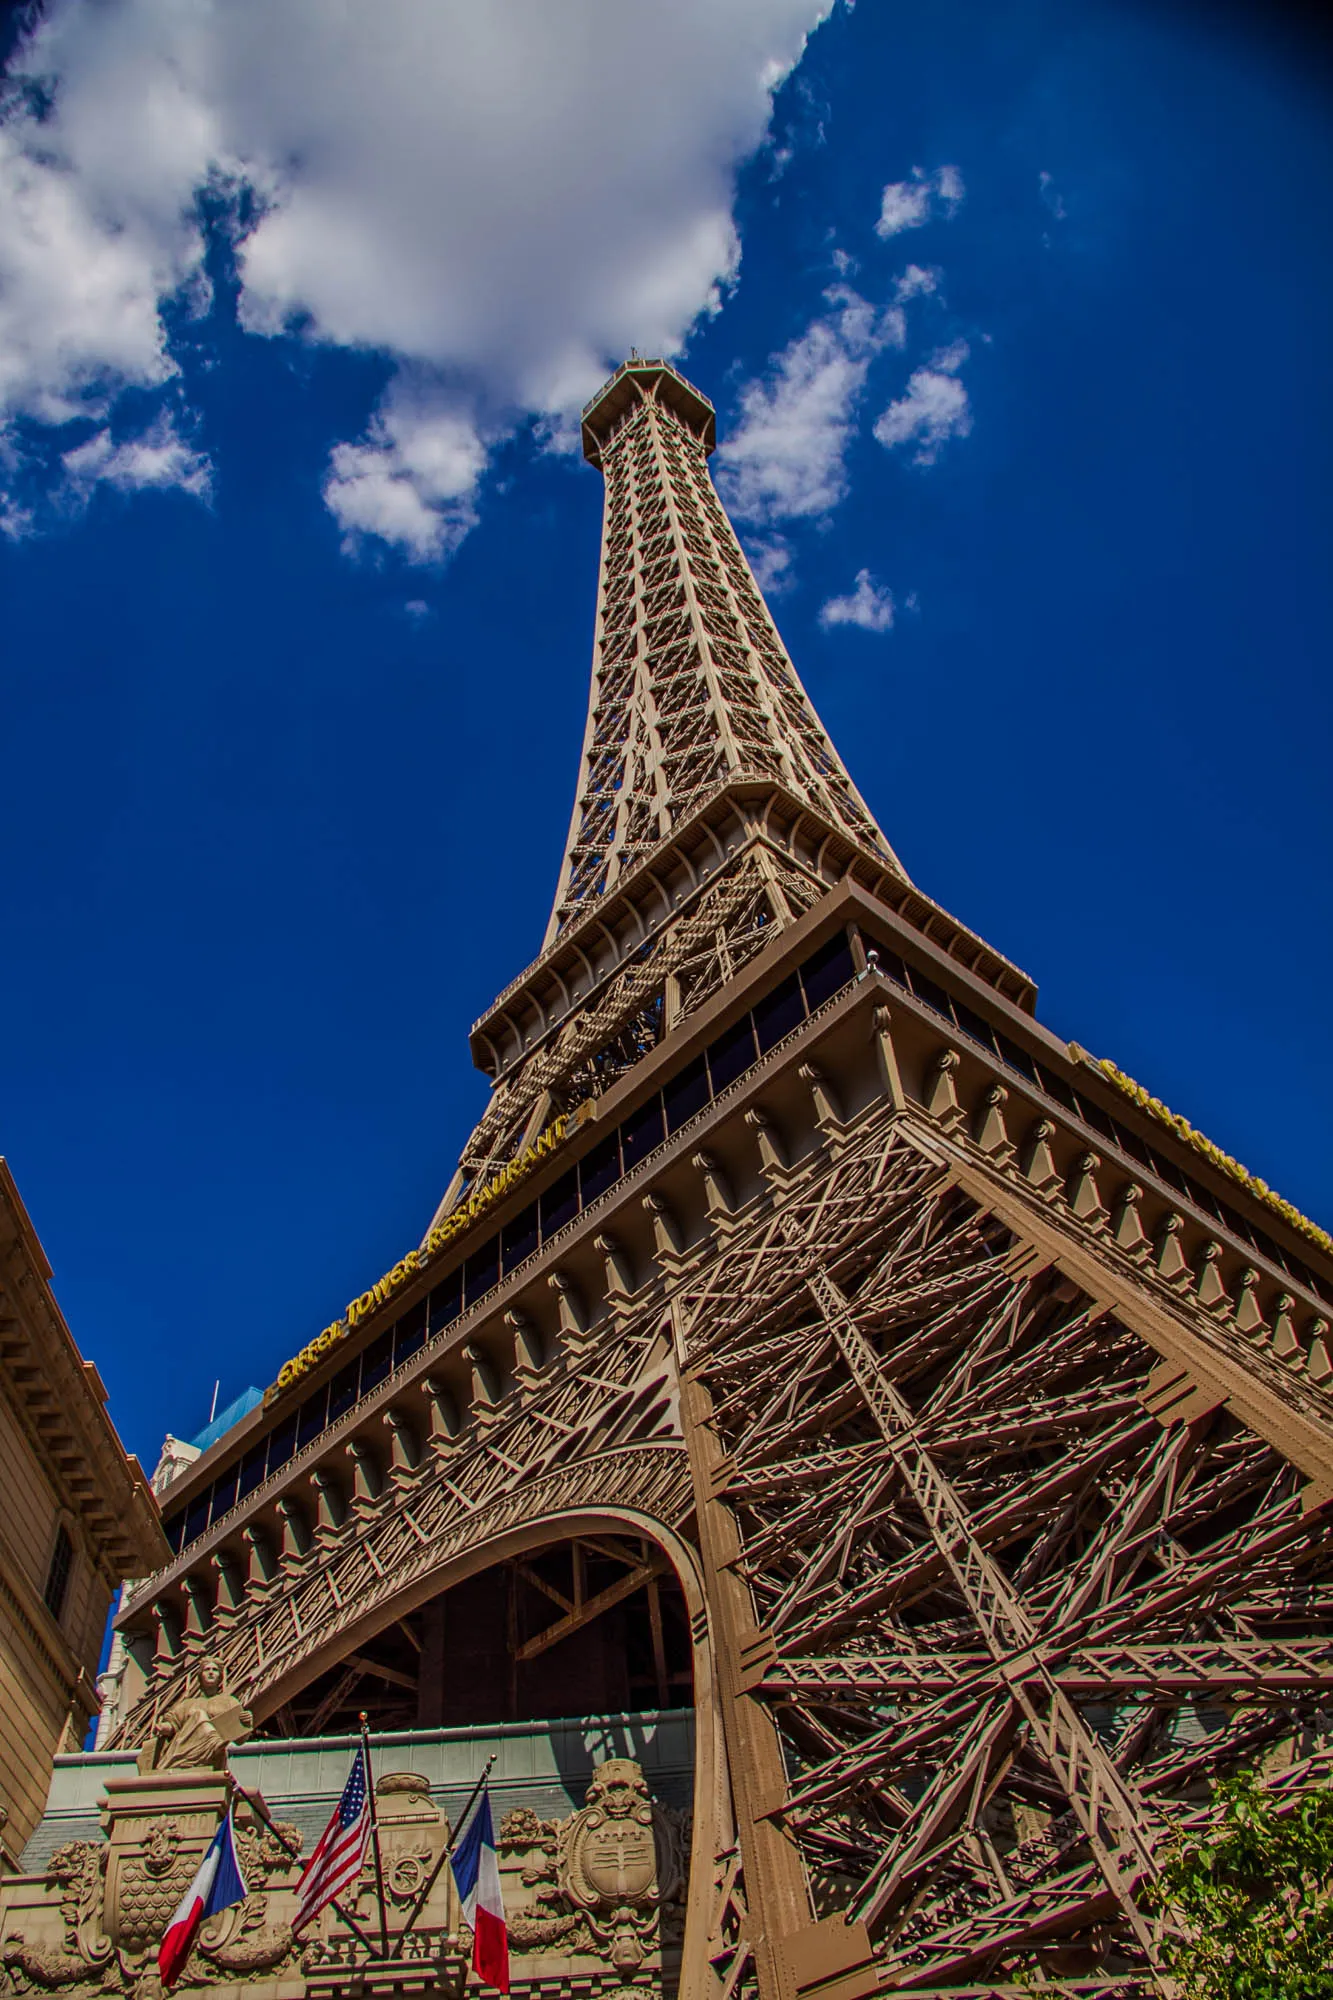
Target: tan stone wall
[(30, 1505), (34, 1695), (44, 1707)]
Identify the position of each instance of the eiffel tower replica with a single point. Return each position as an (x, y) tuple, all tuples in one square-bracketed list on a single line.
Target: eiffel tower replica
[(807, 1337)]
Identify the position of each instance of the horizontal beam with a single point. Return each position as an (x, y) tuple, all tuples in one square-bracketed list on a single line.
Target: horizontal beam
[(1255, 1668), (592, 1608), (367, 1666)]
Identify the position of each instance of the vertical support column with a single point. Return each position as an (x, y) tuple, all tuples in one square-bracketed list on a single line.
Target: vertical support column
[(776, 1895)]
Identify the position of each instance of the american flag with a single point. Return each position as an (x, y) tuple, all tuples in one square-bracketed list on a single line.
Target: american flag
[(340, 1851)]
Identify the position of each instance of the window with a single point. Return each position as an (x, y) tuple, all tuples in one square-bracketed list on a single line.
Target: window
[(224, 1493), (560, 1203), (343, 1390), (686, 1093), (252, 1470), (731, 1054), (57, 1576), (196, 1515), (641, 1132), (828, 971), (481, 1272), (446, 1302), (311, 1418), (409, 1334), (281, 1445), (376, 1361), (778, 1013), (972, 1024), (933, 995), (599, 1169), (519, 1237)]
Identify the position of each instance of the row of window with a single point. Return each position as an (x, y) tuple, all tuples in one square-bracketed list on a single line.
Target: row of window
[(1014, 1058), (721, 1064)]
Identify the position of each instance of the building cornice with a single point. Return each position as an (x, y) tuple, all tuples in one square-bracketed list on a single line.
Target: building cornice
[(61, 1402)]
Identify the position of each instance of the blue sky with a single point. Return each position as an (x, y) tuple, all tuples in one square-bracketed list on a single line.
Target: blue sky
[(298, 579)]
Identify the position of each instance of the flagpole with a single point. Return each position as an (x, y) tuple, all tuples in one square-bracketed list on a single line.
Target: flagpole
[(255, 1801), (375, 1838), (443, 1855)]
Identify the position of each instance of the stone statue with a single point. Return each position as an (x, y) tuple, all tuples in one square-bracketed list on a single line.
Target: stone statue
[(194, 1733)]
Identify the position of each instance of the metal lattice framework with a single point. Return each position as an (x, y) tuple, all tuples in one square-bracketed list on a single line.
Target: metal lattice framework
[(993, 1591), (692, 692), (691, 685), (996, 1475)]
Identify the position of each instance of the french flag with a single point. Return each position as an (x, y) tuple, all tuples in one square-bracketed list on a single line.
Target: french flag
[(217, 1886), (477, 1873)]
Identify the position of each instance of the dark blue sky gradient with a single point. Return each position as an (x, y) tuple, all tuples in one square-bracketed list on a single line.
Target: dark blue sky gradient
[(274, 841)]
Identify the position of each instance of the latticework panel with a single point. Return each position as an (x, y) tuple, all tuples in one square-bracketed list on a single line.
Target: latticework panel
[(1008, 1624), (731, 919), (691, 684)]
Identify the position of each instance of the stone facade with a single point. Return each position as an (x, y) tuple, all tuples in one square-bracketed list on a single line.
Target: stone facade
[(593, 1898), (77, 1520)]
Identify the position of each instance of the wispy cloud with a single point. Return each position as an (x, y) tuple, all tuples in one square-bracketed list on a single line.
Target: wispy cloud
[(158, 457), (934, 409), (770, 557), (910, 203), (868, 605), (916, 283), (1051, 196), (785, 459)]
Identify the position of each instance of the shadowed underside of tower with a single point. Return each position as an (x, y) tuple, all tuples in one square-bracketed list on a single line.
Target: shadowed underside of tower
[(809, 1334)]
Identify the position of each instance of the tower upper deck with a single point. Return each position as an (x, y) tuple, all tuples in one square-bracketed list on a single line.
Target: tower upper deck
[(634, 379)]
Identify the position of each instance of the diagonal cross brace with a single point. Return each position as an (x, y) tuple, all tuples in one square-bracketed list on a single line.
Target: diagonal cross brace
[(1114, 1821)]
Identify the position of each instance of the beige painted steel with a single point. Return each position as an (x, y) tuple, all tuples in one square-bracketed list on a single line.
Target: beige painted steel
[(985, 1423)]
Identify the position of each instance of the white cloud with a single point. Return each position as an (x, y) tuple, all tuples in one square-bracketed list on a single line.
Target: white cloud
[(949, 187), (916, 283), (770, 558), (785, 458), (934, 409), (412, 482), (910, 203), (869, 605), (491, 196), (158, 457)]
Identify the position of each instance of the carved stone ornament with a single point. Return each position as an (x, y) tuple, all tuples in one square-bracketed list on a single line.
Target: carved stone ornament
[(92, 1926), (621, 1862), (83, 1954), (412, 1833), (609, 1853)]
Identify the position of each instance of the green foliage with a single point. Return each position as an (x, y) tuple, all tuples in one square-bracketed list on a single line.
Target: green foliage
[(1252, 1899)]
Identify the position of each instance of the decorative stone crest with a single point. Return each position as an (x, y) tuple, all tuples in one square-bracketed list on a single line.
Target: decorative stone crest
[(608, 1880), (413, 1831)]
